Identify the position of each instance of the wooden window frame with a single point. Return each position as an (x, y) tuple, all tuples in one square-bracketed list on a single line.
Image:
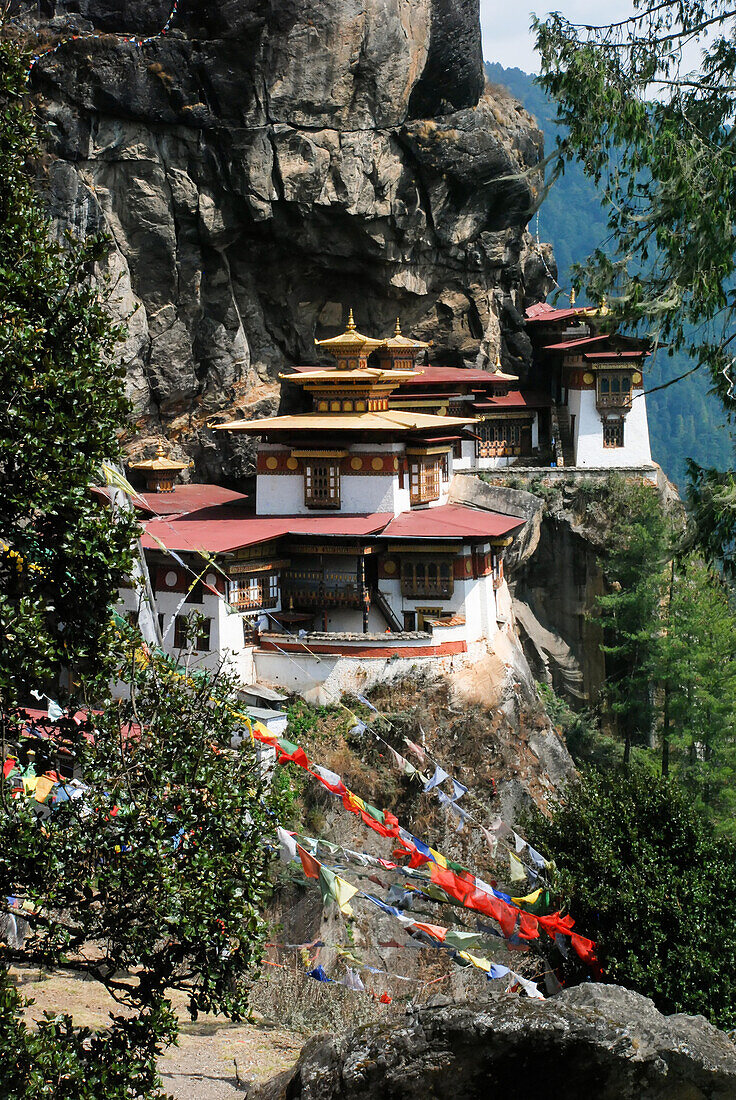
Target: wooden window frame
[(502, 437), (321, 483), (253, 591), (426, 577), (425, 479), (613, 441)]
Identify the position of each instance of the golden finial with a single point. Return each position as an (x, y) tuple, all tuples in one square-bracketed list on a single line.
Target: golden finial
[(498, 364), (572, 297), (351, 322), (397, 330), (161, 453)]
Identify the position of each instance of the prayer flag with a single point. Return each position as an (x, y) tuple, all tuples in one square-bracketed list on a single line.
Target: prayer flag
[(55, 711), (287, 845), (498, 971), (529, 988), (491, 841), (458, 789), (537, 859), (352, 980), (329, 779), (310, 865), (417, 750), (516, 869), (440, 775), (519, 844), (318, 974), (584, 949), (366, 703), (343, 892)]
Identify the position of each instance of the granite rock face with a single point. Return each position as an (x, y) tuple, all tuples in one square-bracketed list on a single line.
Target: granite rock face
[(269, 163), (591, 1041)]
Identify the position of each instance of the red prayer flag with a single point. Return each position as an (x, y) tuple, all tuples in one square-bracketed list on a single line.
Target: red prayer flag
[(584, 949), (309, 863)]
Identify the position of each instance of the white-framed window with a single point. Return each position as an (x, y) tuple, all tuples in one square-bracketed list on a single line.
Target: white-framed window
[(321, 483)]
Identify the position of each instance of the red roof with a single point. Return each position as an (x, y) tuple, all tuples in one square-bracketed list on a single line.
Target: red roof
[(545, 312), (451, 521), (616, 355), (218, 530), (565, 344), (516, 399), (183, 499), (442, 376), (188, 498)]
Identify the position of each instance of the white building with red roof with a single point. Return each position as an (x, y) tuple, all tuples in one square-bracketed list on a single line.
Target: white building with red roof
[(355, 557), (595, 380)]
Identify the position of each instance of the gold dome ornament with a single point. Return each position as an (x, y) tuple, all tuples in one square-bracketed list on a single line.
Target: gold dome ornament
[(161, 472)]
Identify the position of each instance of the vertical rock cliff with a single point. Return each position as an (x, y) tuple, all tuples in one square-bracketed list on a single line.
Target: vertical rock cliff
[(268, 163)]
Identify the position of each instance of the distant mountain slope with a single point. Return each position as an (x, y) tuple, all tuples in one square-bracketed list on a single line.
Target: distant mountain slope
[(685, 421)]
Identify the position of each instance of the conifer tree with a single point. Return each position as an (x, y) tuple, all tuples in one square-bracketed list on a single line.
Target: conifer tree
[(62, 403)]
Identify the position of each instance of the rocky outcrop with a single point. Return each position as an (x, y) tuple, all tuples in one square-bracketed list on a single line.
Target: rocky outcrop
[(269, 163), (591, 1041)]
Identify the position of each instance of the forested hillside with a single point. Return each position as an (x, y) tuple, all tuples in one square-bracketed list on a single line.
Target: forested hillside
[(685, 421)]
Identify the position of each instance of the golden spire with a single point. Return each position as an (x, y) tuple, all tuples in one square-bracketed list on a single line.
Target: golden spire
[(351, 322), (397, 330), (572, 297), (498, 364)]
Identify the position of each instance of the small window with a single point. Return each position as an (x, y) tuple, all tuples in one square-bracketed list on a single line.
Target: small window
[(183, 632), (322, 484), (424, 480), (613, 433), (410, 620)]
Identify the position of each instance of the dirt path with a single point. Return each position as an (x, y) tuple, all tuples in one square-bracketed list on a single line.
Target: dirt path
[(215, 1059)]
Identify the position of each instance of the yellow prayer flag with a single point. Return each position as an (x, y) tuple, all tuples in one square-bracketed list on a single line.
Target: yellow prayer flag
[(476, 960), (344, 891), (530, 899), (516, 868), (439, 858)]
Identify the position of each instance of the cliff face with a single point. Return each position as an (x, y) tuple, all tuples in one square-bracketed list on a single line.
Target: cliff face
[(269, 163)]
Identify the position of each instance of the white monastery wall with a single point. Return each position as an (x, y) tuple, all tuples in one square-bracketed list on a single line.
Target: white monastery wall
[(589, 449)]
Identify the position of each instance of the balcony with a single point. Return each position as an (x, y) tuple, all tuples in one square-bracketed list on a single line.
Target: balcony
[(613, 400), (420, 589), (246, 602), (312, 588)]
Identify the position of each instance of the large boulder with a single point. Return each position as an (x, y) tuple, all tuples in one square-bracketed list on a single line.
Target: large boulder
[(593, 1042)]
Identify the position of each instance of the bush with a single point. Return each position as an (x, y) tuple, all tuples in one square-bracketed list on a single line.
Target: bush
[(652, 884)]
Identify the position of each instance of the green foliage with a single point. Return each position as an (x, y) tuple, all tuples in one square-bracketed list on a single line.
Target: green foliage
[(652, 885), (698, 672), (664, 166), (62, 555), (585, 741), (638, 548), (162, 866), (67, 1063), (685, 420)]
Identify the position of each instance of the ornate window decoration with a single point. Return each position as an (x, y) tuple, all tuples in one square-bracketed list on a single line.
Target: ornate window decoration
[(425, 476), (613, 433), (425, 577), (321, 483), (613, 389), (249, 593), (502, 437)]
